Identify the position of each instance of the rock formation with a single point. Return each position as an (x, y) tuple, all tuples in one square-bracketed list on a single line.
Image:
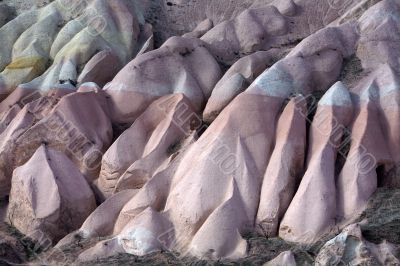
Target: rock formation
[(146, 127), (349, 247), (148, 144), (49, 196)]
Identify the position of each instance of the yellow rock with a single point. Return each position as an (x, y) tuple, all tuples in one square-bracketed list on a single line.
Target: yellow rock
[(36, 62)]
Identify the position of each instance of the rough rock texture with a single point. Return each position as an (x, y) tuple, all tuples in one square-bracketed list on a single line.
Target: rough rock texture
[(82, 134), (350, 248), (335, 108), (285, 167), (285, 258), (203, 128), (181, 65), (52, 45), (49, 196), (235, 81), (148, 144)]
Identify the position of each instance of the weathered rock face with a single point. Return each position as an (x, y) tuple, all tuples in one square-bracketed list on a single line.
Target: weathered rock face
[(285, 166), (49, 196), (181, 65), (147, 146), (67, 35), (83, 134), (235, 81), (285, 258), (101, 221), (334, 113), (358, 178), (350, 248), (260, 119)]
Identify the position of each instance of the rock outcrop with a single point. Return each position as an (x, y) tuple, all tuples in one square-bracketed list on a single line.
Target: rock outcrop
[(181, 65), (350, 248), (148, 145), (284, 168), (201, 126), (312, 212), (83, 134), (49, 196), (285, 258), (235, 81), (51, 45)]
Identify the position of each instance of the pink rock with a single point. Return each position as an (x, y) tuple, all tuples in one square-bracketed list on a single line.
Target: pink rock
[(249, 32), (285, 258), (312, 212), (314, 65), (389, 83), (140, 237), (146, 147), (223, 172), (49, 196), (23, 95), (122, 208), (18, 125), (379, 27), (89, 87), (232, 157), (285, 166), (181, 65), (316, 62), (8, 116), (350, 248), (358, 178), (201, 29), (81, 133), (101, 221), (155, 192), (101, 68), (263, 27), (235, 81), (231, 215)]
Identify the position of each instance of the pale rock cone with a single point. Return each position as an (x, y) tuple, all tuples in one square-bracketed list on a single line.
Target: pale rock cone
[(312, 212), (285, 166)]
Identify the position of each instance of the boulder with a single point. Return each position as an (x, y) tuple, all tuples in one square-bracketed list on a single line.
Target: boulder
[(49, 196), (200, 29), (350, 248), (83, 134)]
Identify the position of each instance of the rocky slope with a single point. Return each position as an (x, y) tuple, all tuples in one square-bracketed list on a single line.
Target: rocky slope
[(182, 131)]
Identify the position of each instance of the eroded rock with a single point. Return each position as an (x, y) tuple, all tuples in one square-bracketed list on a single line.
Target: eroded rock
[(49, 196)]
